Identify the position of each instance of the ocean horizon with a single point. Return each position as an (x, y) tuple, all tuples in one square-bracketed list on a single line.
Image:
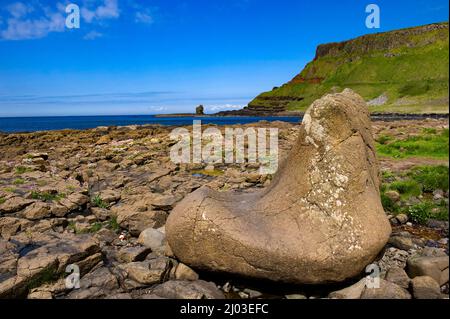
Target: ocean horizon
[(52, 123)]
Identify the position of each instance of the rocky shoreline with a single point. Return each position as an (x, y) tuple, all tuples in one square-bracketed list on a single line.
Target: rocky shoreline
[(100, 198)]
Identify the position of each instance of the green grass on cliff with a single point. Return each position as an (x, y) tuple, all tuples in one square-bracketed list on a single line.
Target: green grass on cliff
[(414, 77)]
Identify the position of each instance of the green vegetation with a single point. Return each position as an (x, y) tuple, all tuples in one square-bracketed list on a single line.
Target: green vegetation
[(2, 200), (434, 145), (9, 189), (97, 201), (48, 275), (19, 181), (416, 188), (47, 196), (410, 68), (113, 224), (22, 169), (95, 227)]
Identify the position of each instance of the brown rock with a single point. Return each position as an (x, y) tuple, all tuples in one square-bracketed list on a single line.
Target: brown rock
[(37, 211), (320, 220), (434, 267), (387, 290), (425, 287), (398, 276)]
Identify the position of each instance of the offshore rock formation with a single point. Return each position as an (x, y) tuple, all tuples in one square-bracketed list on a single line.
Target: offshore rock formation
[(319, 221)]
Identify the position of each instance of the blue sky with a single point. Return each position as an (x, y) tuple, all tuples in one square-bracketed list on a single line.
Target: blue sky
[(164, 56)]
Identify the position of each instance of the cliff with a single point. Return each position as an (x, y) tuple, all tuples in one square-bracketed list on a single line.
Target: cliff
[(398, 71)]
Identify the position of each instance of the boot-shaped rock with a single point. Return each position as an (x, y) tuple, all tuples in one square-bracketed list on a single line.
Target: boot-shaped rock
[(320, 220)]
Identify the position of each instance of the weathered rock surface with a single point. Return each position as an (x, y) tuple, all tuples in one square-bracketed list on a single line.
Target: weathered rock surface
[(319, 221), (425, 287), (387, 290), (180, 289)]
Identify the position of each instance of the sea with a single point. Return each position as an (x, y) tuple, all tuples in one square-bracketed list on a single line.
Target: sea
[(34, 124)]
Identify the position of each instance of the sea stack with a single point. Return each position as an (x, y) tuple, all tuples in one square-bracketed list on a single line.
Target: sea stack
[(320, 220)]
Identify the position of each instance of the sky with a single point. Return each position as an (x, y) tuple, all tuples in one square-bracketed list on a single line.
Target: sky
[(168, 56)]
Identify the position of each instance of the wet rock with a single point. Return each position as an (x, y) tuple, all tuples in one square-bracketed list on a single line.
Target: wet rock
[(180, 289), (425, 287)]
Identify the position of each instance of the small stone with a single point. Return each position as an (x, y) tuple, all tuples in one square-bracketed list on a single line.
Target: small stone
[(398, 276), (37, 211), (387, 290), (182, 289), (425, 287), (183, 272), (148, 272), (393, 195), (352, 292), (153, 239), (252, 293), (131, 254), (400, 242), (402, 218), (295, 296), (434, 267)]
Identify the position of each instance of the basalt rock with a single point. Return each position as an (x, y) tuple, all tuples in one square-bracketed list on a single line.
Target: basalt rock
[(319, 221)]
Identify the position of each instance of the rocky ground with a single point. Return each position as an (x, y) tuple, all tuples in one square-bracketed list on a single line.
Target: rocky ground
[(99, 199)]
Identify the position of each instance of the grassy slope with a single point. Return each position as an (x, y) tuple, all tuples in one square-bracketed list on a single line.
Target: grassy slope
[(414, 76)]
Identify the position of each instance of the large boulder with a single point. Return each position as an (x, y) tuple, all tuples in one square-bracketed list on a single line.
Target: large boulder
[(320, 220)]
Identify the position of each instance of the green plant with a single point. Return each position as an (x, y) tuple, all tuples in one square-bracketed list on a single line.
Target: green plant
[(19, 181), (113, 224), (22, 169), (95, 227), (47, 196), (383, 139), (407, 188), (9, 189), (431, 177), (388, 204), (97, 201), (2, 200), (420, 213)]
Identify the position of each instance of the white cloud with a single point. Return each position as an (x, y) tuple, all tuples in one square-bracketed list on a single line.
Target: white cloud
[(92, 35), (21, 26), (19, 9), (109, 9), (144, 17), (223, 107)]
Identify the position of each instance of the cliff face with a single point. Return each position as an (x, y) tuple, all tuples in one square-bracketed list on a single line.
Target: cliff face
[(399, 71)]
